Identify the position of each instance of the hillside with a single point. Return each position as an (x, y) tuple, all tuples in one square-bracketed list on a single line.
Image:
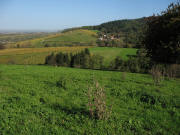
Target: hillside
[(125, 31), (33, 102), (78, 37)]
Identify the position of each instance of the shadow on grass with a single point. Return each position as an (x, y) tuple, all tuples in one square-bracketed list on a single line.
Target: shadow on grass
[(71, 111)]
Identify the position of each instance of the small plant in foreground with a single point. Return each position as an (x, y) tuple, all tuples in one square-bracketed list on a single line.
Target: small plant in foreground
[(97, 103)]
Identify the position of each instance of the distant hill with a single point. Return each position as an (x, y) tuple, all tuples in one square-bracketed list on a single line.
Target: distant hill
[(126, 30), (125, 33), (78, 37)]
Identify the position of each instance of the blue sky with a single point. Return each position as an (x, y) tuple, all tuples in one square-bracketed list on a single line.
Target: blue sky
[(60, 14)]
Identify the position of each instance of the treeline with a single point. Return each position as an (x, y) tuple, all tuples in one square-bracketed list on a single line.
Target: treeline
[(121, 26), (86, 60), (82, 59)]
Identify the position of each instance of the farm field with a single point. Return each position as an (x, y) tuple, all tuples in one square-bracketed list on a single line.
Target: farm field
[(33, 103), (14, 38), (70, 38), (32, 55), (37, 55)]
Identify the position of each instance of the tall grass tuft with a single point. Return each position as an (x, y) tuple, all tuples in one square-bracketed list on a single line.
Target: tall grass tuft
[(97, 105)]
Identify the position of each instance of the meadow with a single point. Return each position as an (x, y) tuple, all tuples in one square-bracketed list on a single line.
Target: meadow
[(32, 103), (110, 53), (37, 55)]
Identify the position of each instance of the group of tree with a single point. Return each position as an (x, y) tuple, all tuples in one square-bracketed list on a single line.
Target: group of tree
[(81, 59), (121, 43), (161, 37), (138, 63)]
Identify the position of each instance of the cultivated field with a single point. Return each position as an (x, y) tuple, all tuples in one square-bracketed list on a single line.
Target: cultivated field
[(37, 55), (33, 102), (32, 55)]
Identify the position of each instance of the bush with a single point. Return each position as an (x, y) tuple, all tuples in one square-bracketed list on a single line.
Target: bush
[(62, 83), (173, 71), (51, 60), (97, 103), (157, 74)]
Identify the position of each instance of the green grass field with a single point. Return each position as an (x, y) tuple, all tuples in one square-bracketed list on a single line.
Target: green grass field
[(110, 53), (37, 55), (32, 103)]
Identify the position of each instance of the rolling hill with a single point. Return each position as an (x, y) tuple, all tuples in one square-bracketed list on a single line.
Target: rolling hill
[(78, 37)]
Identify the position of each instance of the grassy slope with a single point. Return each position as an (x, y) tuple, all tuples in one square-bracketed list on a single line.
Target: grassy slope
[(32, 103), (37, 55), (76, 37)]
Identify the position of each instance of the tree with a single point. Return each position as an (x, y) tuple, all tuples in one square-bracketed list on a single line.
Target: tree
[(2, 46), (51, 59), (162, 35)]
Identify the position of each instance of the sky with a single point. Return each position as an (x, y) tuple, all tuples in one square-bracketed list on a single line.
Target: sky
[(52, 15)]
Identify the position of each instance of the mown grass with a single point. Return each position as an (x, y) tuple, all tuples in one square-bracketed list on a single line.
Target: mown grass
[(37, 55), (110, 53), (71, 38), (31, 102)]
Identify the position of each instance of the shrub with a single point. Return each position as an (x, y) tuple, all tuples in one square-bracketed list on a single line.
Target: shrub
[(173, 71), (62, 83), (157, 74), (51, 60), (97, 103)]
